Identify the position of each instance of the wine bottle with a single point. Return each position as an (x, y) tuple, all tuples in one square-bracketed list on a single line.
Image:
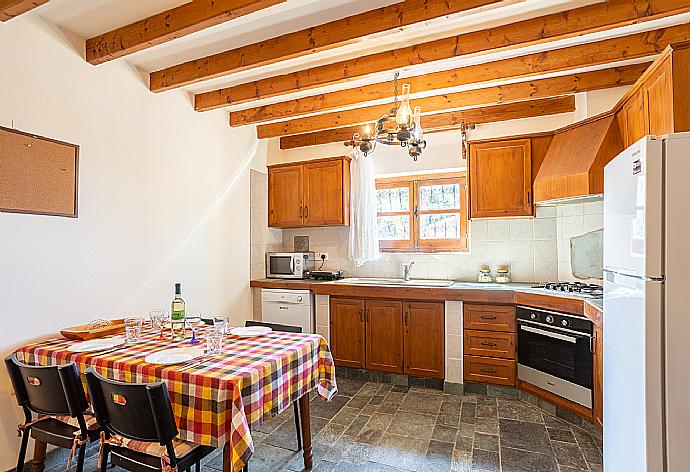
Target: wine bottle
[(177, 314)]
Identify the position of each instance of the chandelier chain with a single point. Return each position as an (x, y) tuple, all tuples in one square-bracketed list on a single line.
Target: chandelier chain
[(395, 89)]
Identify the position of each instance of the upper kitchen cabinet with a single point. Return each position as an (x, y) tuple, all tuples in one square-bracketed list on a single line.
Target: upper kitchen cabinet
[(500, 178), (310, 193)]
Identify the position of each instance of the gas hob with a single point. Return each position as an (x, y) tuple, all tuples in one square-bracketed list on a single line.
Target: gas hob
[(577, 288)]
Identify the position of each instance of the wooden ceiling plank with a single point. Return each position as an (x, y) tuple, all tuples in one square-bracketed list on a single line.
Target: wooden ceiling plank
[(337, 33), (13, 8), (169, 25), (597, 17), (447, 121), (558, 60), (540, 88)]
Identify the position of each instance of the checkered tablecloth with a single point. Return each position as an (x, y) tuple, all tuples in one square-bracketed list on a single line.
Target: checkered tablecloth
[(216, 402)]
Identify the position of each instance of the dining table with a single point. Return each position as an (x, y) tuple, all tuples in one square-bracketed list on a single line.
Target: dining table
[(218, 398)]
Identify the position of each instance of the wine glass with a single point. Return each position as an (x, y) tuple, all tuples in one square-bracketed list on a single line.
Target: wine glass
[(194, 321), (158, 321)]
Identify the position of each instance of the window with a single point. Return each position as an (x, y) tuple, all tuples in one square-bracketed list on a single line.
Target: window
[(422, 213)]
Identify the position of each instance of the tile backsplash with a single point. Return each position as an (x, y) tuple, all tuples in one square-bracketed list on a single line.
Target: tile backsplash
[(575, 219), (536, 249)]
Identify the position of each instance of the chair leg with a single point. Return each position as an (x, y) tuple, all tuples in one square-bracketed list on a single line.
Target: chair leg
[(22, 450), (298, 426), (80, 458), (104, 459), (197, 467)]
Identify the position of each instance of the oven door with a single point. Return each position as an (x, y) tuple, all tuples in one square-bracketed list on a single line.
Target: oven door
[(565, 358), (281, 266)]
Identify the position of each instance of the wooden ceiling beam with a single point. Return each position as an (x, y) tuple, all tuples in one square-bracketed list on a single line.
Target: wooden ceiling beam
[(541, 88), (447, 121), (12, 8), (337, 33), (589, 19), (169, 25), (557, 60)]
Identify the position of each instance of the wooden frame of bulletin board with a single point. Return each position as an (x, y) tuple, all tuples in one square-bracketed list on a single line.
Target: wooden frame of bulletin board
[(38, 175)]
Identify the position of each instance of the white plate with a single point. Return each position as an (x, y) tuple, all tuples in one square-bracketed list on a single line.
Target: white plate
[(95, 345), (250, 331), (174, 356)]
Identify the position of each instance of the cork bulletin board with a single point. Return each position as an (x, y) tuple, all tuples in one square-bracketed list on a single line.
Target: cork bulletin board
[(38, 175)]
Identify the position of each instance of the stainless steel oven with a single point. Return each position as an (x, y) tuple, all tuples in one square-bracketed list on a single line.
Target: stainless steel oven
[(289, 265), (555, 353)]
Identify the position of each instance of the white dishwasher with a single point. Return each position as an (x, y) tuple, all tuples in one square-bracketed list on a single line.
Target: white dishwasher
[(288, 307)]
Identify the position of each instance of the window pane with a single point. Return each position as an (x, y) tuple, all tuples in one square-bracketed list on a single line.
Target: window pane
[(446, 226), (439, 197), (394, 227), (393, 199)]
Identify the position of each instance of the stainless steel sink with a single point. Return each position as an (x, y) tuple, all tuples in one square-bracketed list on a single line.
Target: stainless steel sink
[(397, 282)]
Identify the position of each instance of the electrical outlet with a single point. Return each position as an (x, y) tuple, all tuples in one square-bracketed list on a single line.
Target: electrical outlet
[(322, 256)]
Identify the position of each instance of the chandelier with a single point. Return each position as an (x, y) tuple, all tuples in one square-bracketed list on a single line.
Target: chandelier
[(399, 127)]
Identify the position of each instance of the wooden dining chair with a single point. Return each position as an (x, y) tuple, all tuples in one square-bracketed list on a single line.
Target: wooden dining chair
[(139, 429), (295, 404), (56, 396)]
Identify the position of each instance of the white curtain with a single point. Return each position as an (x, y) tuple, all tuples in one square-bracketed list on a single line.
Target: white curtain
[(364, 241)]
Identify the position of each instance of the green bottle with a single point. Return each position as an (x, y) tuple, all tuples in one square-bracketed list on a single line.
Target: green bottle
[(177, 314)]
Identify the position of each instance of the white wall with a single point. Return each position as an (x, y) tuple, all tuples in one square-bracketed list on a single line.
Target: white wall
[(163, 198)]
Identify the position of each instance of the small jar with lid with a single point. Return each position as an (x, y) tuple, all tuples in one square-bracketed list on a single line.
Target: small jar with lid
[(503, 275), (485, 275)]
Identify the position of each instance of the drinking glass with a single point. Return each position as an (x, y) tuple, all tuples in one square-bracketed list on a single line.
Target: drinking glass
[(214, 341), (221, 322), (194, 321), (158, 320), (133, 330)]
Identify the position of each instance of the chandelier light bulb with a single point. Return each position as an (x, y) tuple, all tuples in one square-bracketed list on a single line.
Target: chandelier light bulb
[(417, 132), (404, 114)]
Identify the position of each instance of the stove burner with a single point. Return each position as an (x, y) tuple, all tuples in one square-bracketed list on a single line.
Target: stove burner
[(574, 287)]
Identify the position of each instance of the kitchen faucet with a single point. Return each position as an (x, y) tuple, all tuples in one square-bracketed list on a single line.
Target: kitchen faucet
[(407, 270)]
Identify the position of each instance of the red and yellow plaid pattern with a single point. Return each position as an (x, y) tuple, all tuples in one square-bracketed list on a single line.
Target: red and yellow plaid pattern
[(215, 402)]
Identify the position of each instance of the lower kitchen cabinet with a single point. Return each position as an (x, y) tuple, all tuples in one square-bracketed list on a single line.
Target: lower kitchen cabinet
[(490, 370), (347, 332), (403, 337), (424, 339), (489, 344), (384, 333)]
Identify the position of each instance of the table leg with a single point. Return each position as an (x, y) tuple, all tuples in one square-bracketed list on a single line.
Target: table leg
[(39, 461), (227, 458), (305, 419)]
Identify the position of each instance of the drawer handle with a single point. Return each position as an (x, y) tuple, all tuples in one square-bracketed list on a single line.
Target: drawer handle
[(487, 371), (487, 344), (487, 317)]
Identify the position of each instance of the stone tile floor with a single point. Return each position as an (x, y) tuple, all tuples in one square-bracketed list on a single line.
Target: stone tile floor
[(381, 427)]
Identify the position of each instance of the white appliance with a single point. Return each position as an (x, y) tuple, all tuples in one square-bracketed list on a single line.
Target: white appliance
[(646, 308), (288, 307)]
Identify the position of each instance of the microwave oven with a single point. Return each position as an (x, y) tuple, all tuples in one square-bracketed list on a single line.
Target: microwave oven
[(289, 265)]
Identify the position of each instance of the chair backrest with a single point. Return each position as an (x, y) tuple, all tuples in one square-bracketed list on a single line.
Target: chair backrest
[(51, 390), (275, 326), (136, 411)]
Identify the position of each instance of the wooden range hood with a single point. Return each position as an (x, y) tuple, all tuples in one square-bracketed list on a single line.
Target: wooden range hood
[(573, 166)]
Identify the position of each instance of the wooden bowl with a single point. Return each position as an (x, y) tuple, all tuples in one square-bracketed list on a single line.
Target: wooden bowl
[(93, 330)]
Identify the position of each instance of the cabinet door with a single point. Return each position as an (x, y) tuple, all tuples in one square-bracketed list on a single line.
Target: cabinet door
[(424, 339), (384, 335), (323, 193), (500, 179), (598, 386), (632, 120), (347, 332), (658, 102), (285, 196)]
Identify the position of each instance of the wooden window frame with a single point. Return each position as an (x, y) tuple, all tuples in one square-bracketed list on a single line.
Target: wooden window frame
[(414, 244)]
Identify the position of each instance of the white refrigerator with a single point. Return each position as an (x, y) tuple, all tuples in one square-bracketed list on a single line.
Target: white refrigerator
[(647, 307)]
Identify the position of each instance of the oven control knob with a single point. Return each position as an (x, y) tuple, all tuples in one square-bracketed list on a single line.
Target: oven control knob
[(299, 298), (565, 323), (533, 316), (549, 319)]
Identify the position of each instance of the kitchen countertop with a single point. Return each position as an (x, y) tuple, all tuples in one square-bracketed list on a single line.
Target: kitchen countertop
[(513, 293)]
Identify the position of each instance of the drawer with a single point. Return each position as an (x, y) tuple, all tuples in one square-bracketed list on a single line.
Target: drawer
[(488, 370), (489, 317), (490, 344)]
